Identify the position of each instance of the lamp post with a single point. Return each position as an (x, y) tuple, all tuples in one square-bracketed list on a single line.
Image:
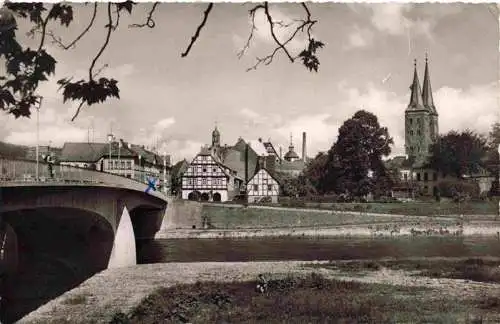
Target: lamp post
[(165, 172), (140, 169), (110, 140), (37, 151)]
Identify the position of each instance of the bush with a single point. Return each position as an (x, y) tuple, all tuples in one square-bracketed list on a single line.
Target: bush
[(458, 190)]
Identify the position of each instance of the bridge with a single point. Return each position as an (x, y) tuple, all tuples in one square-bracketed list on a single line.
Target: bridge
[(85, 220)]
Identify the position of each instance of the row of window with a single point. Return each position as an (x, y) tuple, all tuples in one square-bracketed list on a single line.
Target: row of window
[(256, 187), (116, 164), (425, 176), (412, 149), (205, 181)]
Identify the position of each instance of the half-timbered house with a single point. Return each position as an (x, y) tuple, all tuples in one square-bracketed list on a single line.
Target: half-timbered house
[(207, 179), (263, 187)]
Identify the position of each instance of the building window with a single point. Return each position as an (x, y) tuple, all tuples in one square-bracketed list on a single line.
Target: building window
[(418, 132), (411, 133), (418, 176), (214, 170), (129, 176), (204, 181), (412, 149), (426, 176), (411, 121), (405, 176), (255, 187), (435, 176), (269, 187), (204, 169)]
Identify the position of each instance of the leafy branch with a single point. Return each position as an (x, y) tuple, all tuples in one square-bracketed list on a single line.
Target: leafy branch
[(198, 30), (92, 91)]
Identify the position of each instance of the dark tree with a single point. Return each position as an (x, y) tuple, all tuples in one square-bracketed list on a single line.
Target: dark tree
[(459, 153), (493, 158), (356, 157), (316, 172), (28, 67)]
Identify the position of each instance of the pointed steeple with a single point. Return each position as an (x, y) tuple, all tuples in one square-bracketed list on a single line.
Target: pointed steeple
[(427, 89), (416, 94)]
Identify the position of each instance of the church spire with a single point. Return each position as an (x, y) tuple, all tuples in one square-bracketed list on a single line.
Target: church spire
[(416, 94), (427, 89)]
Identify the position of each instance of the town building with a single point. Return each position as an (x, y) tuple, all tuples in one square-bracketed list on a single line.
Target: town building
[(263, 187), (292, 164), (119, 157), (208, 179), (421, 133)]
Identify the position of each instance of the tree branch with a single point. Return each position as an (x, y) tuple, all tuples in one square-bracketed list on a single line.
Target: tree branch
[(77, 111), (252, 13), (106, 42), (306, 22), (198, 30), (58, 40), (149, 20), (271, 26)]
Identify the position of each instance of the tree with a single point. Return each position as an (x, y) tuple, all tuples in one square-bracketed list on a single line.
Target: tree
[(493, 158), (459, 153), (27, 68), (316, 172), (296, 186), (355, 160)]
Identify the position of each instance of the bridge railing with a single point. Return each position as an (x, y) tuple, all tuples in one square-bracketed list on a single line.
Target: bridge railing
[(24, 171)]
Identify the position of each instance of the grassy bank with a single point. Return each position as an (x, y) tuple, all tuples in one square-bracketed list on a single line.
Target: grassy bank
[(474, 269), (231, 217), (302, 300)]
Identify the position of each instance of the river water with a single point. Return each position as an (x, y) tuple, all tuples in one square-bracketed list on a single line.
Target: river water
[(297, 248)]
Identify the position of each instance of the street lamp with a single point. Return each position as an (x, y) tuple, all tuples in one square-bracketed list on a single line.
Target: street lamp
[(110, 140), (165, 172), (37, 151)]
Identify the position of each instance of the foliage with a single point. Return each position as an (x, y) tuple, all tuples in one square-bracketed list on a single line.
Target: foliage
[(12, 151), (316, 172), (492, 163), (358, 152), (27, 68), (296, 186), (459, 153), (459, 190)]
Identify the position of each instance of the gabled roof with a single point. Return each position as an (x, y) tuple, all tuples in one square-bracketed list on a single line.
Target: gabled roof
[(416, 102), (271, 174), (82, 152), (179, 167)]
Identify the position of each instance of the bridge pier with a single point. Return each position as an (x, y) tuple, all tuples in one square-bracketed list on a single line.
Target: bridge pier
[(123, 253)]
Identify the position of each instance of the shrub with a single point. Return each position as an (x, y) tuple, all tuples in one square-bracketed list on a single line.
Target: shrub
[(458, 190)]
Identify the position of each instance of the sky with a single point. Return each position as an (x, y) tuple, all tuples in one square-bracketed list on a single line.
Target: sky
[(367, 63)]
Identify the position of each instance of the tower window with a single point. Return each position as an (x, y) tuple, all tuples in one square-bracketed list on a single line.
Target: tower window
[(411, 133), (418, 132), (411, 121)]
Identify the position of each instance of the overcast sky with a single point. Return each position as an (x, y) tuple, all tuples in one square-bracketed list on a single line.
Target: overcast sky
[(367, 64)]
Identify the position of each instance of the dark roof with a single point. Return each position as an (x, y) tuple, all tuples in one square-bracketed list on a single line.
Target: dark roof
[(398, 162), (145, 154), (179, 168), (82, 152), (291, 154)]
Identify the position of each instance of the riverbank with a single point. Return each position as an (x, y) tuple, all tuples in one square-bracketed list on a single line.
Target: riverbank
[(443, 227), (114, 291)]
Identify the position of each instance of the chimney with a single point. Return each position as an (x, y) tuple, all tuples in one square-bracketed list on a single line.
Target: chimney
[(304, 154)]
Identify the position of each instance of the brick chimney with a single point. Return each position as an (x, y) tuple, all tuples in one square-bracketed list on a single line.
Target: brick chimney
[(304, 152)]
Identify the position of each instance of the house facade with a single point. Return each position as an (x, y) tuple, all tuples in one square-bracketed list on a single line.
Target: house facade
[(118, 157), (263, 187), (207, 179)]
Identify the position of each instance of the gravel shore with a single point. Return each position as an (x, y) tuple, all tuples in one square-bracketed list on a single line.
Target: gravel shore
[(111, 291)]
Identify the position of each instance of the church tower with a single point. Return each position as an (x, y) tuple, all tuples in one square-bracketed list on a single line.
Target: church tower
[(215, 137), (421, 120)]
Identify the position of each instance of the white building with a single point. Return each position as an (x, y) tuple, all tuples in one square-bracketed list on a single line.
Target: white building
[(263, 187), (207, 179)]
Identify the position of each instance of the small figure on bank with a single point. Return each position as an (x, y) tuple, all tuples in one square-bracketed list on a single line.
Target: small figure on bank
[(262, 284)]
